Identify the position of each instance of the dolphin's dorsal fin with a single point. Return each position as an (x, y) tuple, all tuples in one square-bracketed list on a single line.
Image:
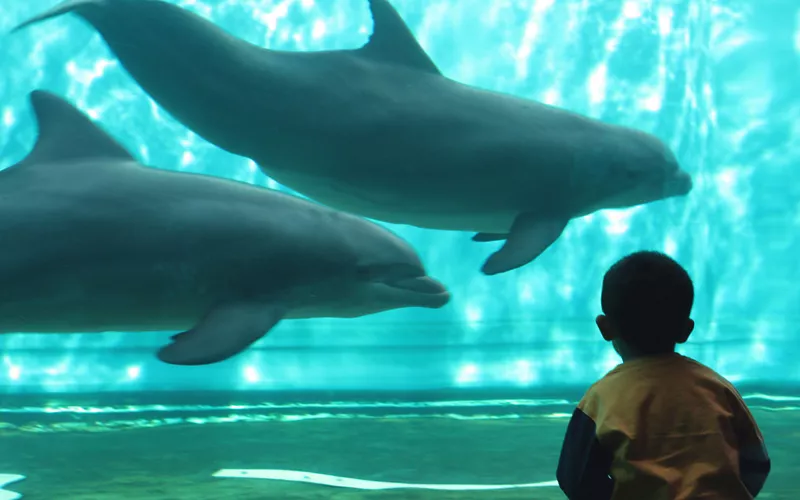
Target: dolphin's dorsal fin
[(65, 133), (393, 42)]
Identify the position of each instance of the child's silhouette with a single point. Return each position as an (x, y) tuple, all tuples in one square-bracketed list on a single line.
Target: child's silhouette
[(660, 425)]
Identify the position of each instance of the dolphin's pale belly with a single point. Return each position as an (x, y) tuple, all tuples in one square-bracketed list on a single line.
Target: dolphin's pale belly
[(85, 300), (82, 321), (433, 212), (148, 301)]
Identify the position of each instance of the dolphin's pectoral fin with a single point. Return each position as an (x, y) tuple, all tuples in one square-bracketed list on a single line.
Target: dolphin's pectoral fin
[(485, 237), (392, 42), (225, 331), (530, 235)]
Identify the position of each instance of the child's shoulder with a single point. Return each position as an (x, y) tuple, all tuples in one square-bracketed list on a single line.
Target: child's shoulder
[(648, 375), (708, 374)]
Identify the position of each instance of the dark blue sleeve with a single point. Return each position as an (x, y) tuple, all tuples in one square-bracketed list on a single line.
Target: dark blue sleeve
[(584, 466), (754, 473), (754, 461)]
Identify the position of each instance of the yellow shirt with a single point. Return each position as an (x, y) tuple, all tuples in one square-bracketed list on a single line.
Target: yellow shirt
[(664, 427)]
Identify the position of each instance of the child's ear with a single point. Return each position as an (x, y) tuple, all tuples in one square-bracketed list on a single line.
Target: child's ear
[(684, 336), (604, 325)]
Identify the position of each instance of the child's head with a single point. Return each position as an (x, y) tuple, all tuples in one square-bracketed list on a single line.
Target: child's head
[(647, 299)]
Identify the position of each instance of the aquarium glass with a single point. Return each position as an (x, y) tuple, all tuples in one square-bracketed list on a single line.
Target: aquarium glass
[(716, 80)]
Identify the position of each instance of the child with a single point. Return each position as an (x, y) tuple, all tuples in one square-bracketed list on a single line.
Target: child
[(660, 425)]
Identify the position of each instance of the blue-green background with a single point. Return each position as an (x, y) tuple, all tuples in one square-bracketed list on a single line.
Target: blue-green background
[(718, 80)]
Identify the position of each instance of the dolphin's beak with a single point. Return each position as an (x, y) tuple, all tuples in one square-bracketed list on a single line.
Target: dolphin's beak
[(435, 292), (680, 184)]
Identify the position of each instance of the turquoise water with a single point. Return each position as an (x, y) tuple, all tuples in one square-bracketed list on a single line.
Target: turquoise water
[(716, 80)]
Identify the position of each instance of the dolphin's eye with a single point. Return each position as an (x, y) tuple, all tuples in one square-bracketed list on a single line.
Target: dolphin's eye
[(388, 272), (365, 273), (630, 172)]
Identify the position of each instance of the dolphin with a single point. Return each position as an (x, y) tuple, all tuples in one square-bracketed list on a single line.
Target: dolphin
[(379, 131), (94, 241)]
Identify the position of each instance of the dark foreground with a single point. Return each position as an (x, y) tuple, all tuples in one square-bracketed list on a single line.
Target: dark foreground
[(177, 462)]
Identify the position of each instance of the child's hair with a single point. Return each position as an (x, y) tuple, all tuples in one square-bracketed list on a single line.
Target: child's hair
[(648, 297)]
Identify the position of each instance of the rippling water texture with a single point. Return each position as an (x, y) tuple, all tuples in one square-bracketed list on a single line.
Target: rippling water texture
[(717, 80)]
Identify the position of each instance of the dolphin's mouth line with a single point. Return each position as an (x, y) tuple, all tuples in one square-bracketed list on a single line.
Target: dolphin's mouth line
[(420, 284)]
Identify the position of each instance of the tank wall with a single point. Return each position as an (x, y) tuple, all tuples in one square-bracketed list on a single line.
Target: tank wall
[(716, 80)]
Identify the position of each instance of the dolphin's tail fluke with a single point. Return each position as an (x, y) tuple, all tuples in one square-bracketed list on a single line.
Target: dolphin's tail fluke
[(58, 10)]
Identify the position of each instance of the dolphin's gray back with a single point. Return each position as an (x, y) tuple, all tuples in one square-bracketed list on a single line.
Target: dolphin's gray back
[(80, 229)]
